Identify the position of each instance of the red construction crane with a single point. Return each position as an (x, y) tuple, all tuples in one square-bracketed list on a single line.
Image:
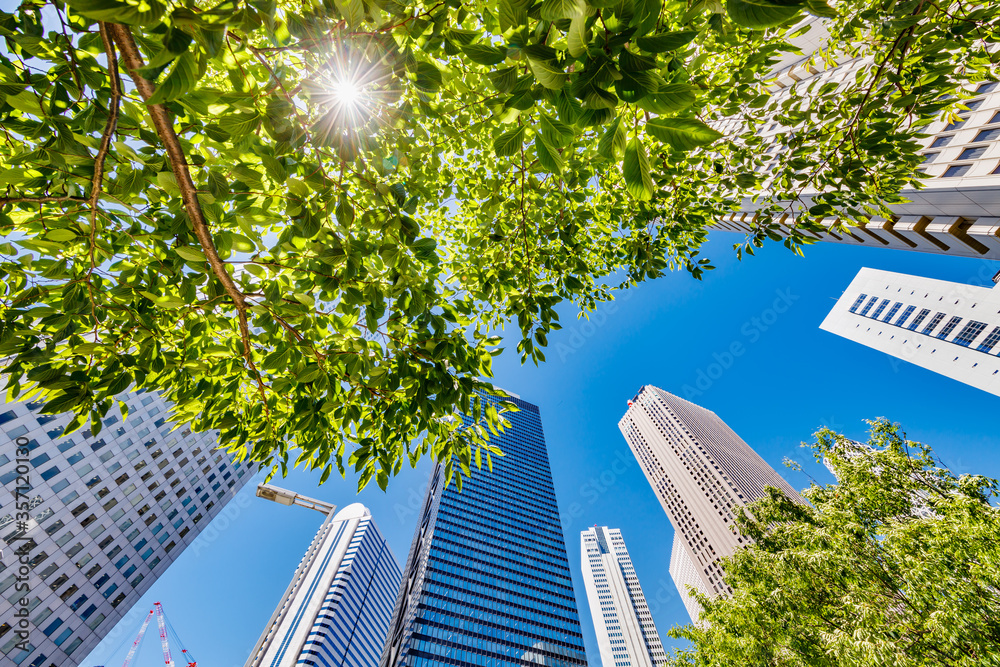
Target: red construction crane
[(163, 624)]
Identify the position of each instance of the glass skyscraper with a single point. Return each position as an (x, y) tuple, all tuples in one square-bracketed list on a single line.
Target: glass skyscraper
[(487, 582)]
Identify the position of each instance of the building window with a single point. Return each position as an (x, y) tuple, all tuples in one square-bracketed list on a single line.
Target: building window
[(906, 313), (892, 311), (969, 333), (868, 306), (933, 323), (990, 341), (949, 327), (987, 135), (972, 153), (941, 141), (956, 170)]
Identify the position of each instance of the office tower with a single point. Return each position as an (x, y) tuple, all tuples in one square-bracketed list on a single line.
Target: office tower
[(108, 514), (487, 581), (949, 328), (685, 574), (955, 213), (702, 472), (625, 631), (336, 611)]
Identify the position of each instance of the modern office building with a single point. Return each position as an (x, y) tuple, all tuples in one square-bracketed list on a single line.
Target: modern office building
[(108, 514), (955, 213), (685, 575), (949, 328), (625, 631), (702, 472), (487, 581), (336, 611)]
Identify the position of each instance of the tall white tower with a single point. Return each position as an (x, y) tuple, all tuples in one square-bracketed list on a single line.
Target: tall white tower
[(625, 631), (702, 472), (337, 608)]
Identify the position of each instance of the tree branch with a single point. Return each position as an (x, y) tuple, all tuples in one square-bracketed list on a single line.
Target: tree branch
[(189, 193)]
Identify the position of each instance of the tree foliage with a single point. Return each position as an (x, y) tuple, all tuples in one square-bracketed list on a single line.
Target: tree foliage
[(307, 222), (896, 564)]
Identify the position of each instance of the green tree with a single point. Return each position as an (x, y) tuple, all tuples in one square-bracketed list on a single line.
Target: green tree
[(306, 222), (896, 564)]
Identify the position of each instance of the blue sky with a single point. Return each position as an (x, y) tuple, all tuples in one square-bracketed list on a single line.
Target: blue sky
[(677, 333)]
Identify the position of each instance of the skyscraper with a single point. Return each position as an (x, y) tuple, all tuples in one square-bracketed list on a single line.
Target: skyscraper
[(107, 515), (487, 582), (949, 328), (337, 608), (701, 471), (625, 631), (954, 213)]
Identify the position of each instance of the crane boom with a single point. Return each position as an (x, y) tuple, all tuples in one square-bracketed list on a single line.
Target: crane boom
[(138, 640), (163, 634)]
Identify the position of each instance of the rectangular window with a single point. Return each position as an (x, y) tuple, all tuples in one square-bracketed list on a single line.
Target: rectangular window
[(936, 320), (881, 307), (50, 473), (987, 135), (969, 333), (972, 153), (956, 170), (949, 327), (986, 87), (868, 306), (990, 341), (906, 313), (929, 157), (941, 141)]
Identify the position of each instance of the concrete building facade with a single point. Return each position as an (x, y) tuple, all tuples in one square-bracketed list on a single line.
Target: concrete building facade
[(955, 213), (487, 581), (701, 471), (89, 522), (948, 328), (336, 611), (626, 634)]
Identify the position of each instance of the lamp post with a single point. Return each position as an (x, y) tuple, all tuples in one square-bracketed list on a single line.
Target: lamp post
[(286, 497)]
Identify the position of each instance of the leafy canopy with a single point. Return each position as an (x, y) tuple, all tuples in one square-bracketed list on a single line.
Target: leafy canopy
[(307, 222), (896, 564)]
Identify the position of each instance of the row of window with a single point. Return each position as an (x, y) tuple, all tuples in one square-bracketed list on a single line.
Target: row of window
[(965, 337)]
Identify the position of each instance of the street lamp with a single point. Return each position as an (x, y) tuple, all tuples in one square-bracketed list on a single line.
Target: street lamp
[(308, 570)]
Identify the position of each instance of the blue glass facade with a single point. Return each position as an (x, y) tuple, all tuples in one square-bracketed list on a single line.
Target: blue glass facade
[(487, 582)]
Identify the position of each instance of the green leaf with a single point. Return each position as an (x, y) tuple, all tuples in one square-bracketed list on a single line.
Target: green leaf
[(666, 41), (762, 13), (553, 10), (576, 36), (548, 155), (513, 14), (353, 12), (140, 12), (183, 78), (485, 54), (504, 79), (509, 143), (669, 99), (612, 143), (635, 166), (190, 253), (682, 133), (428, 77), (548, 73)]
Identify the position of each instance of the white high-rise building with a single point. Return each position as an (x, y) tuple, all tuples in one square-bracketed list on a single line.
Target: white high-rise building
[(625, 631), (702, 472), (685, 574), (106, 515), (949, 328), (956, 211), (336, 611)]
